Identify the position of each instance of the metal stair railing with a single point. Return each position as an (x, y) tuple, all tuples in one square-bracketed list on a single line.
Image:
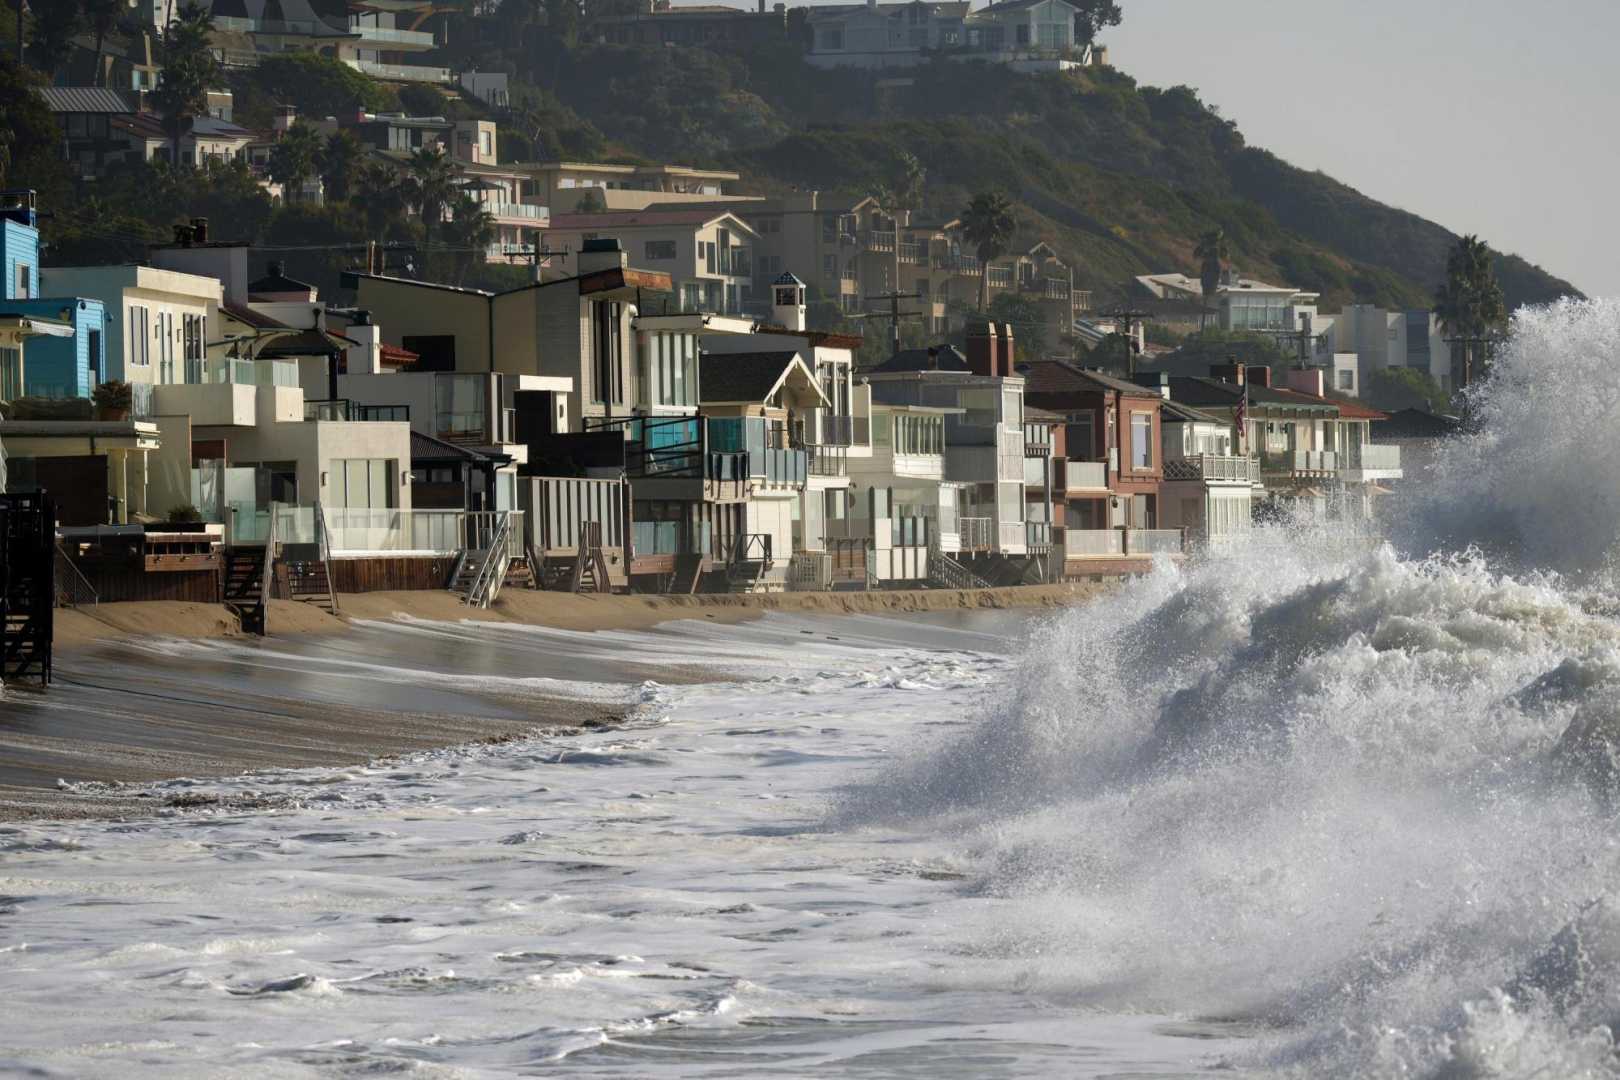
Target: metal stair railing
[(73, 589), (487, 585), (323, 537), (947, 572)]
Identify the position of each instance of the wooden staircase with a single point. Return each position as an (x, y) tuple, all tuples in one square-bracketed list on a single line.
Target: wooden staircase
[(750, 559), (947, 573), (306, 574), (27, 587), (688, 571), (244, 589)]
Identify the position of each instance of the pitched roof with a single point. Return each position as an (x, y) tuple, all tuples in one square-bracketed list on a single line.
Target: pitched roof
[(1348, 410), (641, 219), (393, 354), (427, 448), (258, 319), (1175, 412), (1416, 424), (1062, 377), (1197, 390), (750, 377), (277, 281), (84, 99), (934, 358)]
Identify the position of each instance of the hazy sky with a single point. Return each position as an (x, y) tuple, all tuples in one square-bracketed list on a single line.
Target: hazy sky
[(1490, 116)]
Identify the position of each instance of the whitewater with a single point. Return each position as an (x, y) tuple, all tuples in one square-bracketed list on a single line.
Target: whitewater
[(1339, 805)]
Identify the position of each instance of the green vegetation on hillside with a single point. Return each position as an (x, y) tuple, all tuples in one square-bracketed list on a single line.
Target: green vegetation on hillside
[(1122, 179)]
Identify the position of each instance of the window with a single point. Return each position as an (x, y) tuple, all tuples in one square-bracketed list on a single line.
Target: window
[(363, 483), (1347, 380), (607, 369), (11, 374), (670, 368), (659, 249), (194, 335), (1022, 32), (829, 266), (25, 282), (97, 361), (139, 347), (461, 408), (1141, 440)]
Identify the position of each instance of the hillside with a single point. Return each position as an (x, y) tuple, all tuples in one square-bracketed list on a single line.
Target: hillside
[(1122, 178)]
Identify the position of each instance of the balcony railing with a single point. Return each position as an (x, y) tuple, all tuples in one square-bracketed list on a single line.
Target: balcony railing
[(386, 35), (1085, 475), (911, 253), (526, 211), (1154, 541), (1313, 462), (829, 461), (1001, 277), (241, 372), (967, 265), (1213, 467), (1382, 457), (667, 538), (1038, 534), (1093, 543), (343, 409), (1010, 535), (977, 533), (401, 72), (880, 239), (367, 529)]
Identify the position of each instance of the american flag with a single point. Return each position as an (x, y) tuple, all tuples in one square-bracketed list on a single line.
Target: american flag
[(1240, 419)]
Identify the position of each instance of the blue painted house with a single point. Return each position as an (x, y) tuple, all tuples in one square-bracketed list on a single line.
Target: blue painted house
[(52, 367)]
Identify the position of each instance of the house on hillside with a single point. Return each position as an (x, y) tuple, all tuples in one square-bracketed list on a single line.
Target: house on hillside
[(707, 253), (1028, 35)]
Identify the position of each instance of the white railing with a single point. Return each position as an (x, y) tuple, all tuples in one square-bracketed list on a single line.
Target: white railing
[(1153, 541), (1011, 536), (1376, 456), (527, 211), (401, 72), (354, 530), (1010, 462), (975, 533), (1086, 475), (1212, 467), (1301, 461), (416, 38), (1093, 543)]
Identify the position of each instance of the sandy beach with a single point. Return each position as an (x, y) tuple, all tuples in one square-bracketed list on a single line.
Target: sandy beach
[(148, 692)]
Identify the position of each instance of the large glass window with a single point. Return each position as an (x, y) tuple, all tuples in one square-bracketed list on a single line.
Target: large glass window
[(460, 407), (361, 483), (671, 368), (607, 369), (1141, 440)]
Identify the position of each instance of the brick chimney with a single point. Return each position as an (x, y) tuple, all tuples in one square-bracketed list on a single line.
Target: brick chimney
[(1009, 354), (1309, 381), (1257, 375), (983, 348)]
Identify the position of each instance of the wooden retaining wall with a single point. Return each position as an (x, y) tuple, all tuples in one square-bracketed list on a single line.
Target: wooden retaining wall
[(392, 573), (115, 582)]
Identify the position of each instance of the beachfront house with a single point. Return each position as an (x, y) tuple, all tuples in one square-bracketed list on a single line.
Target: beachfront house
[(1113, 471), (1208, 490)]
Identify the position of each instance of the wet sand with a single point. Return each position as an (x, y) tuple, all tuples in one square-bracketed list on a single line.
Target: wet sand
[(154, 691)]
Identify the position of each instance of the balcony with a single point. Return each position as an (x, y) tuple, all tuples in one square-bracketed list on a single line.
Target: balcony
[(345, 410), (1045, 288), (880, 239), (828, 461), (402, 72), (1372, 462), (1154, 541), (965, 265), (518, 211), (1011, 538), (1085, 476), (976, 533), (1001, 277), (1093, 543), (393, 40), (1037, 535), (911, 253), (1300, 463), (1217, 467)]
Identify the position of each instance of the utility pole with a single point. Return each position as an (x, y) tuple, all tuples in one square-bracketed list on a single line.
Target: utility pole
[(1126, 319), (895, 314)]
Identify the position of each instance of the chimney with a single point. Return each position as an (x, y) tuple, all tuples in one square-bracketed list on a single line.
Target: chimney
[(199, 230), (1008, 353), (601, 254), (1230, 371), (1309, 381), (1257, 375), (364, 357), (982, 348)]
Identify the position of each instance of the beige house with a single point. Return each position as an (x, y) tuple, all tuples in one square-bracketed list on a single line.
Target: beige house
[(708, 253), (562, 184)]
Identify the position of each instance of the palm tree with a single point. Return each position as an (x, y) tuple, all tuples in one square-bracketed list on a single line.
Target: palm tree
[(293, 158), (988, 224), (1470, 304), (189, 69), (429, 187), (895, 199), (381, 194), (1212, 252), (102, 15), (469, 231), (340, 165)]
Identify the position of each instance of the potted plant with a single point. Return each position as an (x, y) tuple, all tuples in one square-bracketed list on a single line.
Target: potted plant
[(112, 400)]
